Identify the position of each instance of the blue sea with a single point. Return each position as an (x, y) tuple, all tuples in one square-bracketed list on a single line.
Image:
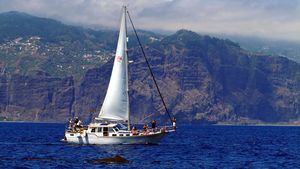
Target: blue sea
[(38, 145)]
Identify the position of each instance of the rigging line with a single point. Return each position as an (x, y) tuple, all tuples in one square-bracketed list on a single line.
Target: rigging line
[(148, 64)]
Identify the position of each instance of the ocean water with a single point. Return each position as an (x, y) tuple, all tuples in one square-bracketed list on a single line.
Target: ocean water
[(38, 145)]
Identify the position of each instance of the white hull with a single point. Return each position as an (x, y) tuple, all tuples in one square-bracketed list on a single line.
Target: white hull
[(92, 138)]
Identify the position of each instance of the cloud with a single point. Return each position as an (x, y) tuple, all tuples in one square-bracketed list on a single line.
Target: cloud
[(275, 19)]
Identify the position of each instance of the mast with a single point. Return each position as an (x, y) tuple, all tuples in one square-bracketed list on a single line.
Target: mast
[(126, 51)]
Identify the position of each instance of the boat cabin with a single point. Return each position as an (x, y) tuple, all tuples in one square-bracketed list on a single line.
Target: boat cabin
[(105, 129)]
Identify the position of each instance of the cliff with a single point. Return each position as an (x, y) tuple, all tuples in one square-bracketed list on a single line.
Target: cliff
[(36, 98), (203, 79)]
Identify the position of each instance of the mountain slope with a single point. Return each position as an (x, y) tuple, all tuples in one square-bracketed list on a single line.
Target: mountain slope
[(29, 44), (203, 79)]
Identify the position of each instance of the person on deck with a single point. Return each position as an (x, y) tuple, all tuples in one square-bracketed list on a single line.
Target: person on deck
[(71, 125), (174, 123), (79, 124), (145, 128), (76, 120), (153, 125), (134, 131)]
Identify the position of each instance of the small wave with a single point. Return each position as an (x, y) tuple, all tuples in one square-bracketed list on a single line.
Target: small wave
[(207, 147), (281, 154), (38, 159)]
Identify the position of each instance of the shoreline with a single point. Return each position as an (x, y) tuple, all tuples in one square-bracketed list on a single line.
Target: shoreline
[(262, 124), (217, 124)]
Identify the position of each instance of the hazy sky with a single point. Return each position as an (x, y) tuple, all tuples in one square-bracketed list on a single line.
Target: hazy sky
[(277, 19)]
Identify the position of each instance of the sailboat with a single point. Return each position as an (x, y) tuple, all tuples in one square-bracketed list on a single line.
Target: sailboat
[(112, 126)]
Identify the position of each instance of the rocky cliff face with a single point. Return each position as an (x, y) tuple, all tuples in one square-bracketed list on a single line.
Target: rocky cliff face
[(206, 79), (36, 98), (202, 79)]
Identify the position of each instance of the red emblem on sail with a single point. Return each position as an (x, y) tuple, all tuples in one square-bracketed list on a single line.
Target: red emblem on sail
[(119, 58)]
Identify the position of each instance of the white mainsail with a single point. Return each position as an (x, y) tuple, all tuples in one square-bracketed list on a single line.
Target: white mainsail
[(116, 102)]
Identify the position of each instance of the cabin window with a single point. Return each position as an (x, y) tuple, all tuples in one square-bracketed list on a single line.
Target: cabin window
[(121, 134), (99, 130), (127, 134), (93, 130), (114, 135), (121, 126), (116, 128), (111, 130), (105, 131)]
